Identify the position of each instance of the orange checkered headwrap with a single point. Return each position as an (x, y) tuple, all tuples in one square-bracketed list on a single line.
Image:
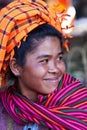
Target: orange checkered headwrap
[(17, 19)]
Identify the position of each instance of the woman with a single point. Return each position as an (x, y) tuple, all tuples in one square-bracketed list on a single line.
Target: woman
[(36, 93)]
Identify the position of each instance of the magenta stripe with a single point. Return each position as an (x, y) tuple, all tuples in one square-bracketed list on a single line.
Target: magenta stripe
[(83, 107), (75, 100), (24, 106), (63, 92), (58, 119), (5, 103), (82, 92), (79, 125)]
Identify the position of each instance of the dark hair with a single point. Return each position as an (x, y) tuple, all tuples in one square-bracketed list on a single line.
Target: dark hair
[(33, 41)]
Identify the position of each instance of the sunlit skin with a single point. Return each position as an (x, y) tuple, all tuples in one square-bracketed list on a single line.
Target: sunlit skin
[(43, 69)]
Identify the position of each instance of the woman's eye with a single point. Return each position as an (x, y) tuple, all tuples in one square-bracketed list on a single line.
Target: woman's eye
[(60, 58), (44, 61)]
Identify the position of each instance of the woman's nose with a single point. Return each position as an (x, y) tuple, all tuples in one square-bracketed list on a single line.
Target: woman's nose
[(53, 68)]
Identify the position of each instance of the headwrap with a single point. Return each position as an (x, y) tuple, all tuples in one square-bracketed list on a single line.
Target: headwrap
[(16, 20)]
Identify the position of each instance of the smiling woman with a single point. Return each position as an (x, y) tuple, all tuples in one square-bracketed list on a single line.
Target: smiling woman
[(36, 92), (41, 66)]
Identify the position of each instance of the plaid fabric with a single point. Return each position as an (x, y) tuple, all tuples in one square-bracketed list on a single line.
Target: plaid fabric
[(16, 20)]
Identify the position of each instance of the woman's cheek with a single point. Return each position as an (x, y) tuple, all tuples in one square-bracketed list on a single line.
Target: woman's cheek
[(62, 67)]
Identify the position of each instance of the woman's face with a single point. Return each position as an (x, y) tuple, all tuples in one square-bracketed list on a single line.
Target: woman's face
[(43, 69)]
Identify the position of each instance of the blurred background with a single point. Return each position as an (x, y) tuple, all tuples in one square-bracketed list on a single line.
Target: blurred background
[(76, 58)]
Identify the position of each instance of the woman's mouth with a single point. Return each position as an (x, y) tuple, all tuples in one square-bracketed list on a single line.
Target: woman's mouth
[(52, 80)]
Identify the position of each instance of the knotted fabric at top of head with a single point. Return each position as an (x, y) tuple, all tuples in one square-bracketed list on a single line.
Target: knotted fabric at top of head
[(16, 20)]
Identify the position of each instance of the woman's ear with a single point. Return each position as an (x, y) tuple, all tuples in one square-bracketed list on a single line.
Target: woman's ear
[(14, 67)]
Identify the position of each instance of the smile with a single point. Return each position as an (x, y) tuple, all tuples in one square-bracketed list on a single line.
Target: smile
[(52, 80)]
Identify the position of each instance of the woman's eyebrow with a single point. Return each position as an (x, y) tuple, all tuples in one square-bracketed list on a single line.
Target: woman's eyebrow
[(61, 53), (48, 55), (43, 56)]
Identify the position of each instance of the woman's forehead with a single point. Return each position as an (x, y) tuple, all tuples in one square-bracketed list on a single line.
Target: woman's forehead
[(49, 46)]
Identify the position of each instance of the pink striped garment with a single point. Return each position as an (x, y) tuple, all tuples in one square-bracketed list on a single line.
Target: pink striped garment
[(63, 109)]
